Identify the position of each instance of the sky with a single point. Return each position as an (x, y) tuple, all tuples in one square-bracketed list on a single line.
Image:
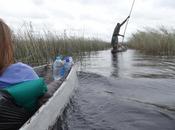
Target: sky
[(88, 18)]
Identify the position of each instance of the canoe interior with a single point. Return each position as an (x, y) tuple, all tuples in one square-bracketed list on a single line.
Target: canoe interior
[(47, 114)]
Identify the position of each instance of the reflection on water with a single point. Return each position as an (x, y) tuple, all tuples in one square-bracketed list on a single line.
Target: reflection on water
[(128, 91), (130, 64), (114, 59)]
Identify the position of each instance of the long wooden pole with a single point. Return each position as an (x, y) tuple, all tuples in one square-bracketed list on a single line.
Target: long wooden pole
[(128, 21)]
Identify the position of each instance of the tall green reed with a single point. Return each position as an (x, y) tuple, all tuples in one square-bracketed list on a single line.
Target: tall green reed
[(37, 49), (155, 42)]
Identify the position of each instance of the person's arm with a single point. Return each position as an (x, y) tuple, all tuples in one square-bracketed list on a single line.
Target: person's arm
[(124, 21)]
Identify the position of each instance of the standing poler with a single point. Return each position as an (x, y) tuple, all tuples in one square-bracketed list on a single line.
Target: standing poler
[(114, 41)]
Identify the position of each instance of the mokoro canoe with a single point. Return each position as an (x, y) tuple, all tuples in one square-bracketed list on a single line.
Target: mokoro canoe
[(49, 112), (120, 49)]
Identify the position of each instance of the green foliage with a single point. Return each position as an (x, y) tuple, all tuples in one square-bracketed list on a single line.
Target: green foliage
[(155, 42)]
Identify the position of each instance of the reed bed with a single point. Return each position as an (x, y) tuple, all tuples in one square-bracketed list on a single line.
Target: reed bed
[(38, 49), (154, 42)]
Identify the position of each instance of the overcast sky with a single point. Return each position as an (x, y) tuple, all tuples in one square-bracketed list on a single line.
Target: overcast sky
[(92, 18)]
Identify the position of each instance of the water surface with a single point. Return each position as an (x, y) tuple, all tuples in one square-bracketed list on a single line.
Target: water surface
[(128, 91)]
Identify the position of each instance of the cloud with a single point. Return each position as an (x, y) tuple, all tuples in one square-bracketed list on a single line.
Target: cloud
[(38, 2), (96, 2), (89, 16), (165, 3)]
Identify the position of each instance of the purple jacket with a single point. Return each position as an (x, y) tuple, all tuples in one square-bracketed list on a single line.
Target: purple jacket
[(17, 73)]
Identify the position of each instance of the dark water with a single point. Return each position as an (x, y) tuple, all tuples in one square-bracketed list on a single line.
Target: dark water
[(129, 91)]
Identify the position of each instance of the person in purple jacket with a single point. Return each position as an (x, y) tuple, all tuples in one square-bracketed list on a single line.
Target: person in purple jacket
[(11, 73)]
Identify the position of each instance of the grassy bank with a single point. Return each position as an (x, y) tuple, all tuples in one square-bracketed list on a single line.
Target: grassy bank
[(154, 42), (42, 48)]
